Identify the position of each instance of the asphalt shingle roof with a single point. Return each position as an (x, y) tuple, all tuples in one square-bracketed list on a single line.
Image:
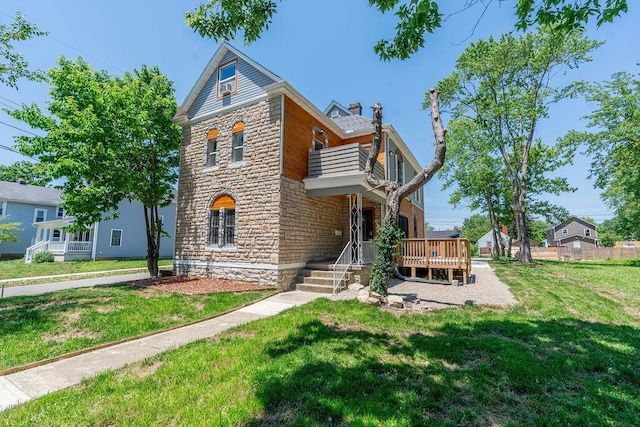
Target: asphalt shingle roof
[(442, 234), (354, 122), (30, 194)]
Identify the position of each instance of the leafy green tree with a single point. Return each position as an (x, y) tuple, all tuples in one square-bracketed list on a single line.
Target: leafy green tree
[(475, 226), (13, 66), (32, 173), (504, 86), (537, 230), (222, 19), (613, 141), (8, 230), (428, 227), (112, 138)]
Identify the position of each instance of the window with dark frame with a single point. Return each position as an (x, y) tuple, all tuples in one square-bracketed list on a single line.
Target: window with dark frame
[(403, 224), (222, 222)]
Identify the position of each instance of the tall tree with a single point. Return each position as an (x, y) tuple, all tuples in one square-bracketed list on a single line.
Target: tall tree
[(112, 138), (222, 19), (614, 144), (32, 173), (13, 66), (504, 86), (389, 234), (475, 226)]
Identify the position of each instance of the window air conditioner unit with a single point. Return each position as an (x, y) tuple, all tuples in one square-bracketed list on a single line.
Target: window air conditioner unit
[(226, 88)]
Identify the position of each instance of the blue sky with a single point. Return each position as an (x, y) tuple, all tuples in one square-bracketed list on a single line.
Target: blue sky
[(325, 50)]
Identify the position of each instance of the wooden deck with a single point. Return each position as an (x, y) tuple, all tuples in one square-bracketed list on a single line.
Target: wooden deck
[(448, 257)]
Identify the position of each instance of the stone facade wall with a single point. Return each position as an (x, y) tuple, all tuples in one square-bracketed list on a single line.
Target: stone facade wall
[(254, 184), (254, 275), (311, 229)]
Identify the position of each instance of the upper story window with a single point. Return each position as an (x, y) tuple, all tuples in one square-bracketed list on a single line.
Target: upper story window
[(40, 215), (319, 139), (587, 232), (59, 212), (237, 143), (399, 168), (3, 207), (222, 222), (565, 231), (227, 78), (212, 148), (393, 167)]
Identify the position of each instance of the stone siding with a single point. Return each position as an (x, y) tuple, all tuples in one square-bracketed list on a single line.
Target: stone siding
[(311, 229), (254, 184)]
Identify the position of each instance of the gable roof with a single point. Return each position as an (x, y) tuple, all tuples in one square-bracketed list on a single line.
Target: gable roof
[(337, 105), (570, 220), (211, 68), (29, 194), (354, 123)]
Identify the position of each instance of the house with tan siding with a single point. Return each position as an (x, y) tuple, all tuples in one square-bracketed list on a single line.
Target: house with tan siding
[(270, 184)]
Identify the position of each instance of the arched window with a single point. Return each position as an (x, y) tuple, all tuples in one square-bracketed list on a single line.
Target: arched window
[(222, 221), (212, 148), (319, 139), (237, 143)]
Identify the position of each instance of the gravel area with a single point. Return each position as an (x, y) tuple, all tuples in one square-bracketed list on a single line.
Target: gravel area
[(487, 290), (198, 285)]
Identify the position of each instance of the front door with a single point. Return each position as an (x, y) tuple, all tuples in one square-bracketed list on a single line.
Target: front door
[(368, 230)]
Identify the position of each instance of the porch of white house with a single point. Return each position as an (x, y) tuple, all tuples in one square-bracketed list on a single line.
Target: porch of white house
[(51, 237)]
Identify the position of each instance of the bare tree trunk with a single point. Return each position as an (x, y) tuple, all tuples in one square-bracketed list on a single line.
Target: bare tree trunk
[(393, 190), (521, 228), (153, 243)]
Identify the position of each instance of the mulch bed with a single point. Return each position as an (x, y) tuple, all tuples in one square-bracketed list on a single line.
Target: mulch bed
[(198, 285)]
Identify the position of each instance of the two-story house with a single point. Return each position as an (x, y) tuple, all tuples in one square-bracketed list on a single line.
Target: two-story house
[(43, 222), (269, 182), (574, 232)]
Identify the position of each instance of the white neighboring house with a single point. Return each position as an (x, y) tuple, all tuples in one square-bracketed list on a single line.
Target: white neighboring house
[(486, 245), (43, 221)]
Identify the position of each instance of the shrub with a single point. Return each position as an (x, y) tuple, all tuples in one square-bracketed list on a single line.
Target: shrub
[(44, 256)]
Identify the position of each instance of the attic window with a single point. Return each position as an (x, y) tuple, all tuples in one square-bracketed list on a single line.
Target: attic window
[(587, 232), (565, 231), (227, 78), (334, 114)]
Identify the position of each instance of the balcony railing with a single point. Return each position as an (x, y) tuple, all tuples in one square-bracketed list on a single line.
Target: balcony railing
[(341, 160)]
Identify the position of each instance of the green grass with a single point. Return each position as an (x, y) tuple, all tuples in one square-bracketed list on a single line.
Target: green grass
[(33, 328), (569, 354), (17, 268)]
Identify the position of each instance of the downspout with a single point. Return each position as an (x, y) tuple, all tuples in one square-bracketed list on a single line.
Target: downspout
[(95, 241)]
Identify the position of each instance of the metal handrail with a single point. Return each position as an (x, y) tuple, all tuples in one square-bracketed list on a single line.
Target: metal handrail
[(341, 267)]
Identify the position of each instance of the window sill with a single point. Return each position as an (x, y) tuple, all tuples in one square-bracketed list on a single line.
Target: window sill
[(236, 164), (221, 248), (210, 168)]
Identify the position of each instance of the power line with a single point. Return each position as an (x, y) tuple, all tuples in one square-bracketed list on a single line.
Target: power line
[(21, 130), (72, 47), (13, 102)]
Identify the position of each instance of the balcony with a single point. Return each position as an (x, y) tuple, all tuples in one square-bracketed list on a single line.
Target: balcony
[(450, 257), (340, 170)]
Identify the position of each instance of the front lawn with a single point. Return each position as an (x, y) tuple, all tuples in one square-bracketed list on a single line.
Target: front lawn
[(17, 268), (33, 328), (569, 354)]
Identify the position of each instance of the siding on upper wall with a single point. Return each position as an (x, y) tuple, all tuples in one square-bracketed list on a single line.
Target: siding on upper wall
[(23, 213), (249, 85), (134, 236), (574, 228), (298, 126)]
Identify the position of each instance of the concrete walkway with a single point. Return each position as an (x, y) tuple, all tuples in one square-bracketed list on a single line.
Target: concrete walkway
[(15, 291), (23, 386)]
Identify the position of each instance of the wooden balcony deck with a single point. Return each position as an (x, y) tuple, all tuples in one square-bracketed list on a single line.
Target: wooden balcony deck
[(451, 257), (341, 160)]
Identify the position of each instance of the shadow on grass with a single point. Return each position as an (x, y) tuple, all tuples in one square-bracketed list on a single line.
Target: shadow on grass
[(553, 372)]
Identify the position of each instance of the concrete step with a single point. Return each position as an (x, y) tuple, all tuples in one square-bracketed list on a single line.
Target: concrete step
[(308, 287), (318, 280), (320, 273), (320, 266)]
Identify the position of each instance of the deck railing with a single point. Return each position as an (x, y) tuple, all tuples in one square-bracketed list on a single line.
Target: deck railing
[(66, 247), (452, 254), (340, 160)]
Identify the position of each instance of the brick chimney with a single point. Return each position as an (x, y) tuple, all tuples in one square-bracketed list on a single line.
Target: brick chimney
[(356, 108), (505, 229), (455, 228), (22, 181)]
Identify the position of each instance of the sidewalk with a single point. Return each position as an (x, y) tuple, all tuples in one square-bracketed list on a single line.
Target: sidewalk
[(23, 386), (15, 291)]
